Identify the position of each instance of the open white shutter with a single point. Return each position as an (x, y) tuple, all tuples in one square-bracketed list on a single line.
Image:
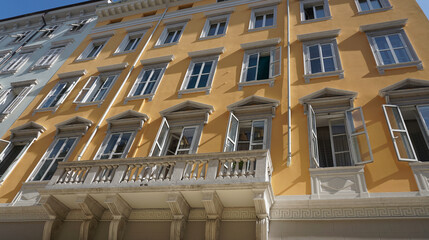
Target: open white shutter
[(4, 147), (275, 62), (360, 147), (86, 90), (232, 134), (24, 92), (69, 87), (399, 133), (3, 95), (244, 67), (161, 136), (312, 131)]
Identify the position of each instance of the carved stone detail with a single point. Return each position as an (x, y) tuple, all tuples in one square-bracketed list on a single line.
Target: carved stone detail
[(262, 227), (92, 211), (120, 212), (56, 211), (214, 209), (180, 210)]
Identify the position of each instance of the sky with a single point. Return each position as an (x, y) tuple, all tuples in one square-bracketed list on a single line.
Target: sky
[(11, 8)]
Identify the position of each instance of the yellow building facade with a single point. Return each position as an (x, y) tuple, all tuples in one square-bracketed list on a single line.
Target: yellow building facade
[(170, 121)]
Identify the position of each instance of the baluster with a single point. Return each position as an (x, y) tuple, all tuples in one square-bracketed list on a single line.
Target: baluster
[(63, 176), (163, 171), (112, 173), (229, 170), (187, 172), (128, 173), (252, 167), (236, 164), (203, 170), (196, 167), (244, 169), (84, 174), (136, 172), (222, 168), (141, 174), (170, 171), (158, 169), (74, 176), (148, 173)]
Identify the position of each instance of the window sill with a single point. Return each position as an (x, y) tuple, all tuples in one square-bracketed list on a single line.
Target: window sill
[(194, 90), (269, 81), (48, 109), (421, 174), (85, 59), (418, 64), (149, 97), (338, 182), (375, 10), (8, 72), (212, 37), (165, 45), (124, 52), (261, 28), (85, 104), (316, 20), (40, 67), (339, 73)]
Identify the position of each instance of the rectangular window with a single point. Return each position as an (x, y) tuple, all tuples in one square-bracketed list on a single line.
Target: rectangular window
[(10, 158), (116, 145), (96, 89), (392, 49), (47, 31), (75, 27), (57, 152), (130, 42), (93, 49), (20, 37), (215, 26), (312, 10), (57, 95), (321, 58), (200, 73), (261, 64), (12, 99), (148, 81), (16, 63), (263, 17), (372, 5), (246, 134), (49, 58), (171, 34)]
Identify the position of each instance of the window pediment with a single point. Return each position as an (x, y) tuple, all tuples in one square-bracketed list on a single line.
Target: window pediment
[(407, 92), (128, 120), (188, 110), (329, 100), (74, 126), (254, 105), (26, 132)]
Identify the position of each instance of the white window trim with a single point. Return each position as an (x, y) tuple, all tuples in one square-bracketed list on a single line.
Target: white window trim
[(207, 89), (173, 27), (215, 19), (92, 88), (43, 62), (326, 9), (27, 35), (82, 22), (155, 87), (415, 61), (124, 43), (255, 11), (49, 28), (107, 138), (385, 5), (17, 160), (337, 60), (13, 61), (21, 91), (72, 81), (272, 76), (84, 55)]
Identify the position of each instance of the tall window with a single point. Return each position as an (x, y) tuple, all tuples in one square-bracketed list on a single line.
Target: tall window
[(96, 89), (75, 27), (49, 58), (57, 95), (171, 34), (11, 98), (10, 158), (261, 64), (148, 81), (246, 134), (200, 73), (263, 17), (47, 31), (93, 49), (391, 49), (372, 5), (16, 63), (314, 10), (321, 58), (130, 42), (116, 145), (215, 26)]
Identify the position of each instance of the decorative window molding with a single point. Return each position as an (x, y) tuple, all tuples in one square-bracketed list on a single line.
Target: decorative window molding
[(11, 98), (219, 12), (260, 65), (321, 56), (261, 44), (16, 63), (157, 60), (249, 126), (49, 58), (372, 6), (215, 26), (93, 49), (147, 82), (113, 67), (268, 3), (263, 18), (78, 73), (130, 42), (400, 23), (421, 174), (96, 89), (74, 126), (181, 129), (171, 34), (314, 10)]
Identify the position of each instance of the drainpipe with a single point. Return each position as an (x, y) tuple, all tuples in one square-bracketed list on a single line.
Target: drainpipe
[(79, 157), (26, 41), (289, 113)]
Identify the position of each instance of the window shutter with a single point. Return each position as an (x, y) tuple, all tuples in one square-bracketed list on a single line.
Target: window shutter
[(69, 88), (358, 136), (24, 92), (312, 128), (245, 67), (275, 62), (399, 133), (86, 90), (52, 56), (232, 134), (4, 147), (161, 137)]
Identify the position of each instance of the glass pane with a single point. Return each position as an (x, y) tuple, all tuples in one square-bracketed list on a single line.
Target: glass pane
[(395, 40), (244, 132), (329, 64), (259, 20), (207, 67), (212, 30), (146, 75), (309, 14), (233, 129), (315, 66), (394, 118), (139, 89), (111, 144), (360, 148), (424, 112), (197, 68), (123, 143), (172, 146), (364, 5), (203, 80), (162, 134), (326, 50), (149, 88), (67, 147), (52, 170), (243, 146), (314, 51), (355, 121), (387, 57), (57, 148), (156, 74), (258, 131), (375, 4), (269, 20), (402, 55), (187, 137), (340, 143), (221, 29), (42, 170), (129, 45), (343, 159), (253, 60), (169, 37), (381, 43), (320, 11), (403, 145), (251, 74), (10, 160), (192, 82), (338, 127), (176, 38), (256, 147), (264, 67), (229, 146)]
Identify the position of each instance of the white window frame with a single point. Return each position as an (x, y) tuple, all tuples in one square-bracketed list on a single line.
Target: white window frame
[(14, 97), (385, 5), (16, 63), (70, 84), (49, 58), (273, 61), (414, 60), (20, 37), (150, 95), (78, 26), (184, 88), (107, 139), (313, 3), (132, 35), (308, 75), (169, 28), (92, 88), (84, 56), (18, 158), (48, 152), (47, 32), (348, 119), (215, 20), (262, 11)]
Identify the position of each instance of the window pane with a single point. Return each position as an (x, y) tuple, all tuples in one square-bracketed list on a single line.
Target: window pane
[(111, 144), (66, 149), (172, 146), (197, 68), (394, 118), (42, 170), (338, 128), (315, 66), (364, 5), (253, 60), (52, 170), (402, 55), (57, 148), (395, 40), (176, 38), (146, 75), (212, 30), (192, 82), (309, 14), (314, 51), (188, 136), (10, 158), (375, 4), (343, 159), (123, 143), (424, 112), (233, 129), (129, 45), (264, 67), (149, 88), (404, 146), (381, 43), (251, 74), (207, 67), (340, 143), (326, 50), (387, 57), (169, 37), (258, 131), (329, 64), (203, 80), (269, 20), (320, 12), (221, 29), (156, 74), (259, 20)]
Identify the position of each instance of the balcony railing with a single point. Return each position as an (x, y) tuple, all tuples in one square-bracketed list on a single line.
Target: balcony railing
[(195, 169)]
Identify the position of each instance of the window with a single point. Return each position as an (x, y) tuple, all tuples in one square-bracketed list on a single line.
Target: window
[(11, 98), (20, 37), (171, 34), (314, 10), (57, 95), (130, 42), (75, 27), (93, 49), (96, 89), (49, 58), (391, 49), (263, 18), (47, 31), (365, 6), (116, 146), (147, 82), (260, 65), (199, 75), (57, 152), (16, 63), (10, 157), (215, 26)]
